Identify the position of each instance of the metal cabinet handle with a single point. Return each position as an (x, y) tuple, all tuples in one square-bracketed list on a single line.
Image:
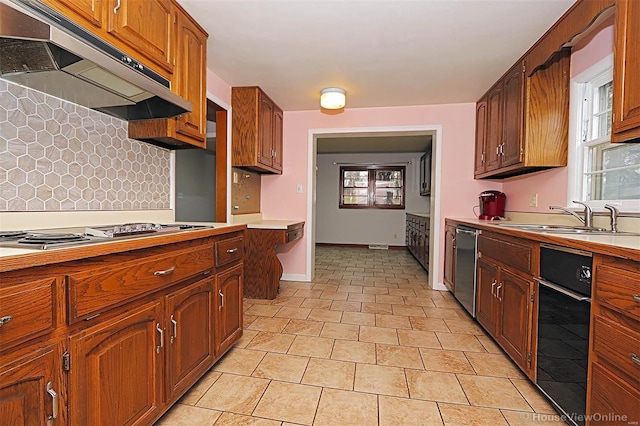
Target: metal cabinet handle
[(5, 319), (493, 286), (115, 9), (635, 358), (175, 329), (636, 297), (221, 300), (233, 250), (165, 272), (161, 331), (54, 402), (498, 292)]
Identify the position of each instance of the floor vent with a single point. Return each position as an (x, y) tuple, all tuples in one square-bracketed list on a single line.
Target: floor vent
[(379, 246)]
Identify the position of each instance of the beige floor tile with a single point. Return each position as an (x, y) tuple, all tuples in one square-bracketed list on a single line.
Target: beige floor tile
[(308, 293), (248, 319), (349, 289), (499, 365), (338, 407), (495, 392), (345, 305), (377, 308), (490, 345), (423, 302), (460, 342), (358, 318), (304, 327), (340, 331), (445, 361), (383, 298), (361, 297), (381, 380), (523, 418), (417, 338), (325, 315), (263, 310), (461, 415), (289, 402), (442, 312), (392, 321), (275, 325), (347, 350), (272, 342), (239, 361), (398, 356), (318, 347), (534, 397), (375, 290), (200, 388), (464, 326), (287, 368), (330, 374), (401, 411), (325, 287), (247, 336), (409, 292), (231, 419), (295, 313), (435, 386), (237, 394), (409, 311), (446, 303), (428, 324), (388, 336), (333, 295), (186, 415), (258, 301), (293, 302), (316, 303)]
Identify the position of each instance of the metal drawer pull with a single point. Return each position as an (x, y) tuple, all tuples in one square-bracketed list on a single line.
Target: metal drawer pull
[(493, 286), (498, 292), (54, 402), (5, 319), (115, 9), (635, 358), (636, 297), (221, 300), (175, 329), (165, 272), (233, 250), (161, 331)]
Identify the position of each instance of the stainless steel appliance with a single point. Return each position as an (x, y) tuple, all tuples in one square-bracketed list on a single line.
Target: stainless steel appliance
[(42, 49), (465, 262), (564, 304)]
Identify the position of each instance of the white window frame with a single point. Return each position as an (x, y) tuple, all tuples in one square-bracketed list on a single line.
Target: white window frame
[(600, 71)]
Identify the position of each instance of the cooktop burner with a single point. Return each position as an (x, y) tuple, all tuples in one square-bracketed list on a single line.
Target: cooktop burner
[(11, 235)]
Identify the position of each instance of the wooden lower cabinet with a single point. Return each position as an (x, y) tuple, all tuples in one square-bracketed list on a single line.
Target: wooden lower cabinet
[(486, 302), (228, 307), (418, 238), (116, 369), (515, 309)]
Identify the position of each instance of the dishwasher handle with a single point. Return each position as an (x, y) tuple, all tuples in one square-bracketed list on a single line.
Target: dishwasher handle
[(563, 290), (464, 231)]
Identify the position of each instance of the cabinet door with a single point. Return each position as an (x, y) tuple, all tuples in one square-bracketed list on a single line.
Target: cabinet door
[(486, 303), (80, 11), (190, 335), (626, 69), (228, 327), (24, 400), (512, 117), (191, 58), (449, 257), (116, 369), (144, 25), (265, 132), (481, 137), (494, 128), (513, 294), (277, 139)]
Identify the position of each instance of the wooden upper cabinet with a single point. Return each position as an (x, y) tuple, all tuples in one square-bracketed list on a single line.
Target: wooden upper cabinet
[(481, 137), (145, 25), (257, 131), (511, 149), (626, 73), (88, 13), (494, 128)]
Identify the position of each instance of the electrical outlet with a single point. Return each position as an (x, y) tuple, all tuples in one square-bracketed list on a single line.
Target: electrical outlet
[(395, 236), (299, 188), (533, 200), (235, 177)]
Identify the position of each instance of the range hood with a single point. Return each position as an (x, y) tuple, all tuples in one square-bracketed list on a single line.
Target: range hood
[(42, 49)]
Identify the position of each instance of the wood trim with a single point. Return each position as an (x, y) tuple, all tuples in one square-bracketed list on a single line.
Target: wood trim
[(221, 166)]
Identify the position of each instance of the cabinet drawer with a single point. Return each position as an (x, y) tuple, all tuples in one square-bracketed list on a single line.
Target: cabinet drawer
[(618, 285), (228, 251), (117, 280), (294, 234), (511, 252), (614, 397), (26, 311), (619, 345)]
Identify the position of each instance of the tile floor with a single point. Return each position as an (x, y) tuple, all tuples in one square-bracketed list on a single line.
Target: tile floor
[(365, 343)]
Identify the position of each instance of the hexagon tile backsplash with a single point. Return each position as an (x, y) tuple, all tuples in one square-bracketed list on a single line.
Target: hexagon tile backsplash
[(56, 155)]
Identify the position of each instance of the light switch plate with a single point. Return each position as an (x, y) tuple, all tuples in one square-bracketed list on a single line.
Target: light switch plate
[(533, 200)]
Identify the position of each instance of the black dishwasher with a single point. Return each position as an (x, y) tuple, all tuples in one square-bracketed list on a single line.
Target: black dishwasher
[(564, 304)]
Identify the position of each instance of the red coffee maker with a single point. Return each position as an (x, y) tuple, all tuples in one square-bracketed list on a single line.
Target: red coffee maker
[(492, 205)]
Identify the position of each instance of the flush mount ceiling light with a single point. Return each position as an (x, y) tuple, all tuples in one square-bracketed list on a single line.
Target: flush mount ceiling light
[(332, 98)]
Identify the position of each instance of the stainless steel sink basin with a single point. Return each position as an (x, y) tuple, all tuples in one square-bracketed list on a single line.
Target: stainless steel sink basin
[(562, 229)]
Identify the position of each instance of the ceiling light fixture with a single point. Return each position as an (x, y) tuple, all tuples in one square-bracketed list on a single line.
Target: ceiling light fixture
[(332, 98)]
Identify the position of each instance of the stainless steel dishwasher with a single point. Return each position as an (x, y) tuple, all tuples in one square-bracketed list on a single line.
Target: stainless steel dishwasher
[(465, 276)]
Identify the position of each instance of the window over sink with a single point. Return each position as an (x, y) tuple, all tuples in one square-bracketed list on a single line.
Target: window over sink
[(372, 187)]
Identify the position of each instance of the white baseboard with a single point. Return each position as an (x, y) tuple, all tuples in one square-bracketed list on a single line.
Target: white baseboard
[(440, 286), (294, 277)]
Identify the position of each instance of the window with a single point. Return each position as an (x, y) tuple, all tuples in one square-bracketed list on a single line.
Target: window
[(373, 187), (603, 172)]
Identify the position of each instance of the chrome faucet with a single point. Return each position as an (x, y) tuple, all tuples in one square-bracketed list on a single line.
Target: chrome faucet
[(613, 215), (587, 220)]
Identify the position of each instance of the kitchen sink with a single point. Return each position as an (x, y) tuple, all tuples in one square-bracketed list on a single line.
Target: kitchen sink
[(563, 229)]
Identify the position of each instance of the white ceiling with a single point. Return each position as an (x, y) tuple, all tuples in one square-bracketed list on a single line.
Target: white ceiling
[(382, 52)]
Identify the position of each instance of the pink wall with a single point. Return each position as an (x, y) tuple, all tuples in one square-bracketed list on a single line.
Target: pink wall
[(218, 87), (459, 191)]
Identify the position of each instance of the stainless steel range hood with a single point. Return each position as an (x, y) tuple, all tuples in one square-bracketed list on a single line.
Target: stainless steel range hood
[(43, 50)]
